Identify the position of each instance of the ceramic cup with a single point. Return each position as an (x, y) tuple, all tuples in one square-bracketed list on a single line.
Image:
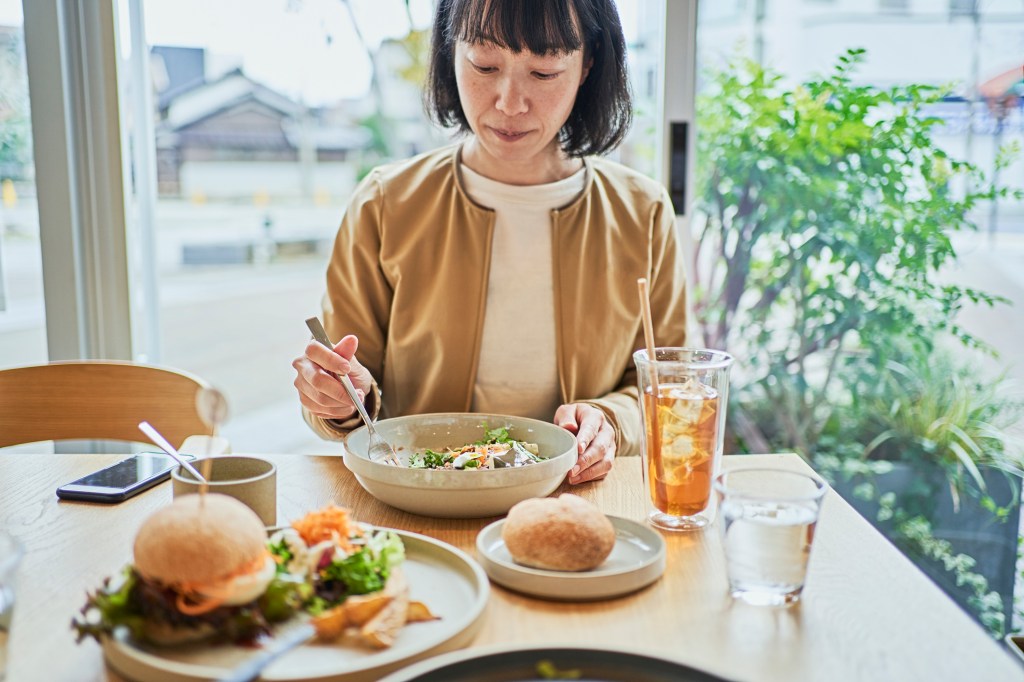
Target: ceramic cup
[(250, 480)]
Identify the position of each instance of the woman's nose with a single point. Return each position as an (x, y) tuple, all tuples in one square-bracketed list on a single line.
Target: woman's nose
[(511, 98)]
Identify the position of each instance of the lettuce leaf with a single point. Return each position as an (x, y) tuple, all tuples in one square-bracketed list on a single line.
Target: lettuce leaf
[(129, 601), (364, 571)]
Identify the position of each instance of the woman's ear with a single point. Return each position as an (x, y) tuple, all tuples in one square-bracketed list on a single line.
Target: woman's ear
[(586, 70)]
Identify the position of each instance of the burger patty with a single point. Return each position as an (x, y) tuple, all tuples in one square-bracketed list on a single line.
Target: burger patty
[(239, 624)]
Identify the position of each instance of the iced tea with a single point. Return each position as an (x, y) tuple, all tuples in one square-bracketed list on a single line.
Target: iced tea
[(681, 452)]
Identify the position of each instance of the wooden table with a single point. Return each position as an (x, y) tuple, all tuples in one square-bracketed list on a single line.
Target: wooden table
[(867, 612)]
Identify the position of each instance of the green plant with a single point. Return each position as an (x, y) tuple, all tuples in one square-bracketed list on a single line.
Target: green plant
[(15, 125), (914, 536), (912, 532), (824, 215), (927, 406)]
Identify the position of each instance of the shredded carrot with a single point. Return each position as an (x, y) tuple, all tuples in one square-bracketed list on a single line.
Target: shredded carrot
[(191, 602), (329, 523), (195, 609)]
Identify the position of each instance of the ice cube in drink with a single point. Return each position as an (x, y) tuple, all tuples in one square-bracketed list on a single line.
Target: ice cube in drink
[(680, 452)]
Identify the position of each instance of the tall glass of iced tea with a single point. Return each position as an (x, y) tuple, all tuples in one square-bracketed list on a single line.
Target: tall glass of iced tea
[(683, 395)]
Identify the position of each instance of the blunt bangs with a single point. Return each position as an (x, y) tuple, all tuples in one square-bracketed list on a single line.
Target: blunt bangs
[(538, 26)]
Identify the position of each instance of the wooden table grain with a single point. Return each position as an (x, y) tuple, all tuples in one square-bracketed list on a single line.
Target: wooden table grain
[(867, 612)]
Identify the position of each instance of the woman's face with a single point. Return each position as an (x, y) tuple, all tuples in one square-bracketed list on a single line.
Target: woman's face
[(516, 102)]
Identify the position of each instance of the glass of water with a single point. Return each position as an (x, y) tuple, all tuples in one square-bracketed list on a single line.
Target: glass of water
[(10, 557), (767, 525)]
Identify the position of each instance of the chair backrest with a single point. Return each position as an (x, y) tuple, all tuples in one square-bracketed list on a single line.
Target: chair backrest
[(97, 400)]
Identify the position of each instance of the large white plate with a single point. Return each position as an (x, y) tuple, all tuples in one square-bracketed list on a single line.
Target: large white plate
[(636, 560), (443, 577)]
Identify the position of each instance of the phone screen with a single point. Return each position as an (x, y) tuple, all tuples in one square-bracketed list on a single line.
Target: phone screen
[(128, 472), (122, 480)]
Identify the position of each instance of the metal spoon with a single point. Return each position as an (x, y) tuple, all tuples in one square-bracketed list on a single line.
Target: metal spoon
[(155, 436), (251, 669), (379, 450)]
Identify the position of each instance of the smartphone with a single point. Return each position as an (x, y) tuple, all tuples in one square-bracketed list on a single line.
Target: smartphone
[(120, 481)]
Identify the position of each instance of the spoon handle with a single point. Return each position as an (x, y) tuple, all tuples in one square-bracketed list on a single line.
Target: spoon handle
[(251, 669), (157, 438)]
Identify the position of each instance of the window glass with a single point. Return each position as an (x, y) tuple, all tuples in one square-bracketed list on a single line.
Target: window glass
[(261, 134), (642, 26), (850, 254), (22, 323)]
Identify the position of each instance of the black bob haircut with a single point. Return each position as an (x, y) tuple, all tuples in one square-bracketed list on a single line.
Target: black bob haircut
[(603, 111)]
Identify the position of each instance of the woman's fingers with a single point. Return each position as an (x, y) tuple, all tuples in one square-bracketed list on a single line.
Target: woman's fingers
[(597, 460), (595, 440), (327, 358), (565, 417), (317, 378)]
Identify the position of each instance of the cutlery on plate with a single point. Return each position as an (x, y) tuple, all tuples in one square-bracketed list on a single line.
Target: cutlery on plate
[(157, 438), (379, 450), (251, 669)]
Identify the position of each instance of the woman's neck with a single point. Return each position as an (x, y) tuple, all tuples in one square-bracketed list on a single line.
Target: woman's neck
[(538, 170)]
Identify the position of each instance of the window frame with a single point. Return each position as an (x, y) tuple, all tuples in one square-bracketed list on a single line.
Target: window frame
[(76, 131)]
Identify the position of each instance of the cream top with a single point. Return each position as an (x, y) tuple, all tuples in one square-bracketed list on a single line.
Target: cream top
[(518, 372)]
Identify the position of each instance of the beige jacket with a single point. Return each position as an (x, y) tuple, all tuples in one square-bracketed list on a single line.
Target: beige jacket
[(409, 273)]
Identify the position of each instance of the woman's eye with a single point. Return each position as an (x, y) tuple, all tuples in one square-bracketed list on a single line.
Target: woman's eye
[(484, 69), (545, 76)]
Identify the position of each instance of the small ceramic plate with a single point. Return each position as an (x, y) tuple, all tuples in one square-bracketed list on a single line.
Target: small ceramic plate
[(637, 560), (532, 664)]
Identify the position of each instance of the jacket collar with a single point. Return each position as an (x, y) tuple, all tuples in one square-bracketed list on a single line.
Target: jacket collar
[(455, 159)]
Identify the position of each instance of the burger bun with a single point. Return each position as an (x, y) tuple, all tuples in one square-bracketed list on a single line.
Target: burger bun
[(196, 541), (566, 533)]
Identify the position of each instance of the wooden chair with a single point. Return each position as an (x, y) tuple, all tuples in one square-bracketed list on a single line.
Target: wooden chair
[(97, 400)]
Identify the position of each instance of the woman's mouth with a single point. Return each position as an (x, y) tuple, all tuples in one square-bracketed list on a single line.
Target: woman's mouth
[(509, 135)]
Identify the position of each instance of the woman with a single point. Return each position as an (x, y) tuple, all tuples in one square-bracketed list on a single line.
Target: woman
[(499, 275)]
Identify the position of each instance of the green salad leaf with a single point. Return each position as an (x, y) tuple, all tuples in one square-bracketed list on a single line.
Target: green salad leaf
[(282, 553), (429, 459), (364, 571), (495, 436)]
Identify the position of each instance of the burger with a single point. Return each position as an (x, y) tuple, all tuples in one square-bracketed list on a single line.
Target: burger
[(201, 571)]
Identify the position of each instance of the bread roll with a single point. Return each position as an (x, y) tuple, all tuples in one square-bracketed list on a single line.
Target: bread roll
[(566, 533)]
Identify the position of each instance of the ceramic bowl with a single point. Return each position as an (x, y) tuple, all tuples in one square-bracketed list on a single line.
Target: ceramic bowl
[(452, 493)]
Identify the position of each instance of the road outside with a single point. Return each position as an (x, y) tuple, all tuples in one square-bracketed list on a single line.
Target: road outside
[(236, 325)]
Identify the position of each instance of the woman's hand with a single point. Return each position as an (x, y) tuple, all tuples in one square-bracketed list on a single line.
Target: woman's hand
[(319, 391), (595, 440)]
